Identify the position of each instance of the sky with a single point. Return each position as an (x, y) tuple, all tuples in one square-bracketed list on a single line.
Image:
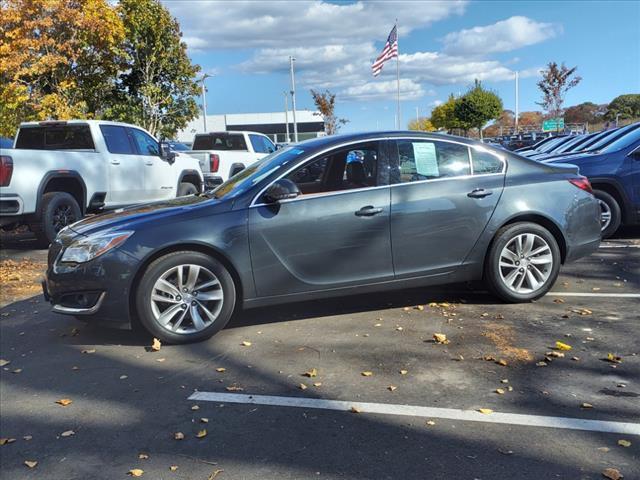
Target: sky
[(443, 45)]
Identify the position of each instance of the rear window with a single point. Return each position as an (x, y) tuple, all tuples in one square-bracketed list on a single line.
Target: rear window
[(219, 142), (65, 137)]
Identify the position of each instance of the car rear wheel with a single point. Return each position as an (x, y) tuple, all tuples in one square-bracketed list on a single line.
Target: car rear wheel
[(185, 297), (523, 262), (58, 210), (610, 214), (187, 188)]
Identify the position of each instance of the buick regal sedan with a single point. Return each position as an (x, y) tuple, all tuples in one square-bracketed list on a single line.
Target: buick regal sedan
[(328, 217)]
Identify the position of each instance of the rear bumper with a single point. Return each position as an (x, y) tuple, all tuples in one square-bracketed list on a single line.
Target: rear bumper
[(212, 181), (11, 208)]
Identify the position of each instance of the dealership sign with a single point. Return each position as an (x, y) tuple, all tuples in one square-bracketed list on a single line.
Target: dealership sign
[(553, 125)]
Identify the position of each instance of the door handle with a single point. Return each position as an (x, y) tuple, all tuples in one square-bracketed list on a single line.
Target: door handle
[(479, 193), (149, 162), (368, 211), (115, 162)]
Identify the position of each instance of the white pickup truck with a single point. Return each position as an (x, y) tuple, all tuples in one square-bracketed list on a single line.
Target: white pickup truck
[(223, 154), (58, 171)]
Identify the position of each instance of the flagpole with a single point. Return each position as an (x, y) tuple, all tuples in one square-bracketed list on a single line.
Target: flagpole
[(398, 72)]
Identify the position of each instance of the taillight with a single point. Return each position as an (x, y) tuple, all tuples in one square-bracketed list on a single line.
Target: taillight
[(6, 170), (582, 183), (214, 162)]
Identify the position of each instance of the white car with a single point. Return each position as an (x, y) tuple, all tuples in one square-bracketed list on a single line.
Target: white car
[(223, 154), (58, 171)]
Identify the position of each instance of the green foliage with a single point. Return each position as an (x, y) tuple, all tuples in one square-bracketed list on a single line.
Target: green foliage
[(477, 107), (556, 82), (443, 116), (626, 106), (157, 89)]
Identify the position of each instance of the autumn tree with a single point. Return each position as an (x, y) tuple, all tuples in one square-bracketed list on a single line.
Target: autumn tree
[(421, 124), (556, 82), (325, 103), (587, 112), (502, 124), (58, 59), (478, 106), (158, 88), (533, 119)]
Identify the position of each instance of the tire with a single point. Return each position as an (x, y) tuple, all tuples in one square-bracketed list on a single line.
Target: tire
[(500, 264), (186, 188), (610, 206), (183, 325), (58, 209)]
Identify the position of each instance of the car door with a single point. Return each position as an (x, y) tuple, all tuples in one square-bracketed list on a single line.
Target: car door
[(160, 180), (125, 167), (439, 204), (335, 234)]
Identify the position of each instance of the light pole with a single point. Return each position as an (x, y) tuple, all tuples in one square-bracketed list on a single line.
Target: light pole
[(517, 103), (286, 114), (293, 99), (204, 100)]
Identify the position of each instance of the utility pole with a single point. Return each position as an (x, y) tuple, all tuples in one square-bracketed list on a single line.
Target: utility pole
[(517, 103), (417, 114), (293, 99), (286, 114), (204, 101)]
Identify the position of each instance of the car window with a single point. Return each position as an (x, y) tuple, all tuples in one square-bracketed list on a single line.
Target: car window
[(54, 137), (485, 162), (147, 145), (117, 139), (428, 160), (623, 142), (343, 169), (261, 144), (220, 141)]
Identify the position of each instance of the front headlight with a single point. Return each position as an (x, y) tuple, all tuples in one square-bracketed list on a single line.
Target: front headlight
[(88, 248)]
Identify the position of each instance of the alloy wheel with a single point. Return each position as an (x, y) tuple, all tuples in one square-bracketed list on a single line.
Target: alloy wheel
[(63, 216), (605, 215), (186, 299), (526, 262)]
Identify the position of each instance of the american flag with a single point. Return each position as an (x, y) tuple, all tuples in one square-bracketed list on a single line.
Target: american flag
[(389, 51)]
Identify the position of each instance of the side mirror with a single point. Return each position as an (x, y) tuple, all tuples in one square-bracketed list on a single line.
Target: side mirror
[(283, 189), (166, 154)]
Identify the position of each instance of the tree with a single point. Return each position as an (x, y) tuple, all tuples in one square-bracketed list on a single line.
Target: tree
[(421, 124), (325, 103), (158, 87), (587, 112), (624, 106), (530, 119), (58, 59), (443, 116), (478, 106), (556, 82), (503, 124)]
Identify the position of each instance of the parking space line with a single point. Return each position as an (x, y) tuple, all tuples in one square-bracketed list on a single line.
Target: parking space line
[(426, 412), (595, 295), (613, 245)]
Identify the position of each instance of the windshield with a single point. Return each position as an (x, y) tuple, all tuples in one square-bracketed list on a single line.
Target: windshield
[(612, 137), (253, 174), (623, 142), (552, 144)]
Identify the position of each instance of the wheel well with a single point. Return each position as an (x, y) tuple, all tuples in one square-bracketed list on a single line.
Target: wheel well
[(192, 178), (614, 192), (546, 223), (70, 185), (194, 247)]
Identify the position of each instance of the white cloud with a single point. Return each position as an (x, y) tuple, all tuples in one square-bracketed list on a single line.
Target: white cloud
[(503, 36), (409, 90)]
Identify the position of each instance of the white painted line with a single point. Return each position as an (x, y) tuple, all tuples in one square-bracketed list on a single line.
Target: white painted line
[(428, 412), (595, 295), (613, 245)]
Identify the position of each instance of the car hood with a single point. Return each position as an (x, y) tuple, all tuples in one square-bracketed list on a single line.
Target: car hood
[(131, 217)]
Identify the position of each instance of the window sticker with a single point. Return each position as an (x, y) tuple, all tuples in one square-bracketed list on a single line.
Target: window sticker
[(426, 161)]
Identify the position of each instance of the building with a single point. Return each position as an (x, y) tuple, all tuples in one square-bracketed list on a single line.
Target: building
[(310, 125)]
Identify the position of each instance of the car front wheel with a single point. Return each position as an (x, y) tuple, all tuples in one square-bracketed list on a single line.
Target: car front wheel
[(185, 297), (523, 262)]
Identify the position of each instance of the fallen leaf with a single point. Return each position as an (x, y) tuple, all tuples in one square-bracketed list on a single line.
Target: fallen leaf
[(31, 463), (6, 441), (317, 384), (355, 410), (391, 388), (173, 468), (311, 373), (500, 391), (27, 437), (214, 474), (221, 369), (246, 344), (504, 380), (502, 362), (419, 307), (562, 346), (440, 338), (123, 377), (575, 359), (143, 456), (555, 354), (399, 329), (558, 300), (582, 311), (430, 423), (510, 388), (624, 443), (586, 405), (135, 472), (89, 350), (613, 358), (612, 474), (204, 420), (541, 364), (4, 362), (178, 436), (234, 388), (160, 359), (366, 374), (202, 433), (406, 309), (68, 433), (65, 402), (302, 386), (195, 407), (403, 372), (17, 370), (486, 411)]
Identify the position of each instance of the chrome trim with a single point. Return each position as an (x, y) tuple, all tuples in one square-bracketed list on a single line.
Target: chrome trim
[(378, 139), (18, 199), (79, 311)]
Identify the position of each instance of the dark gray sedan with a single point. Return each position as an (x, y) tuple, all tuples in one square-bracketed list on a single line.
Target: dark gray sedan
[(328, 217)]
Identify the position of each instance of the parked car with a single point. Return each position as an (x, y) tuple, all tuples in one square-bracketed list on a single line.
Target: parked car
[(556, 142), (223, 154), (177, 147), (418, 209), (537, 146), (59, 171), (614, 172), (574, 140)]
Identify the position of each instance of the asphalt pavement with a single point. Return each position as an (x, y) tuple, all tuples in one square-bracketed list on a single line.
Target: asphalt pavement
[(327, 389)]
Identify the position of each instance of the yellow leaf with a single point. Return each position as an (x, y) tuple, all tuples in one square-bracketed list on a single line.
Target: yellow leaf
[(420, 307), (431, 423), (68, 433), (440, 338), (614, 358), (246, 344), (391, 388), (500, 391), (64, 402), (4, 362), (366, 374), (302, 386), (486, 411), (221, 369), (6, 441), (202, 433), (173, 468), (317, 384), (562, 346), (135, 472), (31, 463), (355, 410), (612, 474), (156, 345), (404, 372), (311, 373), (502, 362), (624, 443), (178, 436), (586, 405)]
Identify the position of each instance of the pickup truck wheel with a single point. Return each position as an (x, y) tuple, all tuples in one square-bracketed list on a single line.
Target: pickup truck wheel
[(187, 188), (58, 210), (610, 215)]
